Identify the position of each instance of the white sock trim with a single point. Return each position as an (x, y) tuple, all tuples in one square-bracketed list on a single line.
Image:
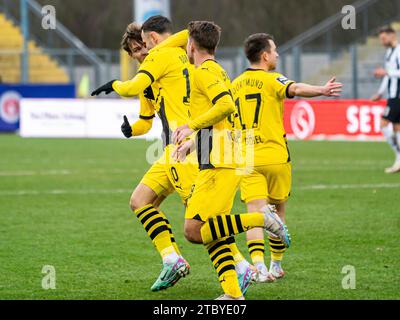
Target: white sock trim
[(171, 258)]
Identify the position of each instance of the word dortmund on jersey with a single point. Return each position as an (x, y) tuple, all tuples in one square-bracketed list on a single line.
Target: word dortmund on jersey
[(215, 145), (259, 97), (169, 71)]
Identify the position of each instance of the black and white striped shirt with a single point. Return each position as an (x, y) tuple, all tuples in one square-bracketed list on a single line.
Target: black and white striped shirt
[(391, 82)]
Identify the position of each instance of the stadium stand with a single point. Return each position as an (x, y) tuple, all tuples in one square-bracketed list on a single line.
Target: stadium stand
[(42, 68)]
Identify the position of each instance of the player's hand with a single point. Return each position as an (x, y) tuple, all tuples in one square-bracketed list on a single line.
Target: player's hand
[(183, 150), (380, 73), (332, 88), (107, 88), (376, 97), (126, 128), (181, 134)]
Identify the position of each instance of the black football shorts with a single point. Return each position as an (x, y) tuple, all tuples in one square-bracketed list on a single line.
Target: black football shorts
[(392, 111)]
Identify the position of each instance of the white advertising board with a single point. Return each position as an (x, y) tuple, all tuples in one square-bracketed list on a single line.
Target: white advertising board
[(80, 118)]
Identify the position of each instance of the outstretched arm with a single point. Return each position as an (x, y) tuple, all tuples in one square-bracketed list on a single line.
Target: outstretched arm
[(128, 88), (330, 89), (134, 86)]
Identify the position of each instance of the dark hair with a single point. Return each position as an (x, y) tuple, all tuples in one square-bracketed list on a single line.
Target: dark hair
[(157, 24), (133, 32), (256, 44), (386, 29), (205, 34)]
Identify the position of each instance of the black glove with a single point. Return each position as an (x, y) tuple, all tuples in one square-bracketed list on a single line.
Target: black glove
[(126, 128), (107, 88)]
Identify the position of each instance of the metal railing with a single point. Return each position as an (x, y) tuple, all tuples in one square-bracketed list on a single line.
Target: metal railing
[(320, 47), (326, 26), (60, 43)]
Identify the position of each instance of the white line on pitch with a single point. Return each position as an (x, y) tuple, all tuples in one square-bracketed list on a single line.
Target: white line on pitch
[(60, 172), (349, 186), (116, 191), (35, 173), (62, 192)]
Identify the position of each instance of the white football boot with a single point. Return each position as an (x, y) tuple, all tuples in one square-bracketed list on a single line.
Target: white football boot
[(274, 224), (276, 270), (393, 169), (262, 275)]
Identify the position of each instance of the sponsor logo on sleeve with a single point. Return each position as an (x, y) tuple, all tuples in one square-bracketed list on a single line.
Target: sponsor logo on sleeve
[(283, 80)]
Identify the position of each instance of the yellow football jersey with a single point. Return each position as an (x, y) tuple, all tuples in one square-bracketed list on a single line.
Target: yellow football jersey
[(169, 70), (147, 109), (146, 114), (259, 98), (215, 143)]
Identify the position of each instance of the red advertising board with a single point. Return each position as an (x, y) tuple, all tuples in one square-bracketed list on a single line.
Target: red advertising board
[(333, 119)]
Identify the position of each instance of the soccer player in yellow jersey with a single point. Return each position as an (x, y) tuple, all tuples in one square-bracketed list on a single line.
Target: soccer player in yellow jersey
[(164, 76), (244, 270), (133, 44), (208, 221), (259, 95)]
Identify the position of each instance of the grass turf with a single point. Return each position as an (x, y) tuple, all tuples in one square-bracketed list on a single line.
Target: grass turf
[(65, 203)]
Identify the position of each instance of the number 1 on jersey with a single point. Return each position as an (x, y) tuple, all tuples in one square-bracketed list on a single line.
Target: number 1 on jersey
[(186, 75)]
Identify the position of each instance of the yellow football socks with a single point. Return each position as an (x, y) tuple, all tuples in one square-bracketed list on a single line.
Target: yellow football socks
[(222, 259), (256, 250), (175, 245), (154, 223), (228, 225), (237, 255), (277, 249)]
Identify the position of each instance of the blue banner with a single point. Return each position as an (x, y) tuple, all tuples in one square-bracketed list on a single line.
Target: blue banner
[(10, 96), (144, 9)]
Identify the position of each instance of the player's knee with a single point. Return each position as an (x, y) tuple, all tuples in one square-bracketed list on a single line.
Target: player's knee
[(384, 124), (192, 233), (133, 203), (396, 127), (193, 239), (136, 203)]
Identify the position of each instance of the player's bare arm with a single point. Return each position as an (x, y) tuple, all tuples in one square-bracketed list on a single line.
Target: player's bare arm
[(330, 89)]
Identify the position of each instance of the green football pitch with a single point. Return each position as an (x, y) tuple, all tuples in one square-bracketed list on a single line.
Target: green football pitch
[(64, 203)]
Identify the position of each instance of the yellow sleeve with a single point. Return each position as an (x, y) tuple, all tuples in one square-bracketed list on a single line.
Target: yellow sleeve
[(179, 39), (134, 86), (280, 84), (156, 64), (152, 68), (147, 110), (145, 122), (219, 95), (141, 127)]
